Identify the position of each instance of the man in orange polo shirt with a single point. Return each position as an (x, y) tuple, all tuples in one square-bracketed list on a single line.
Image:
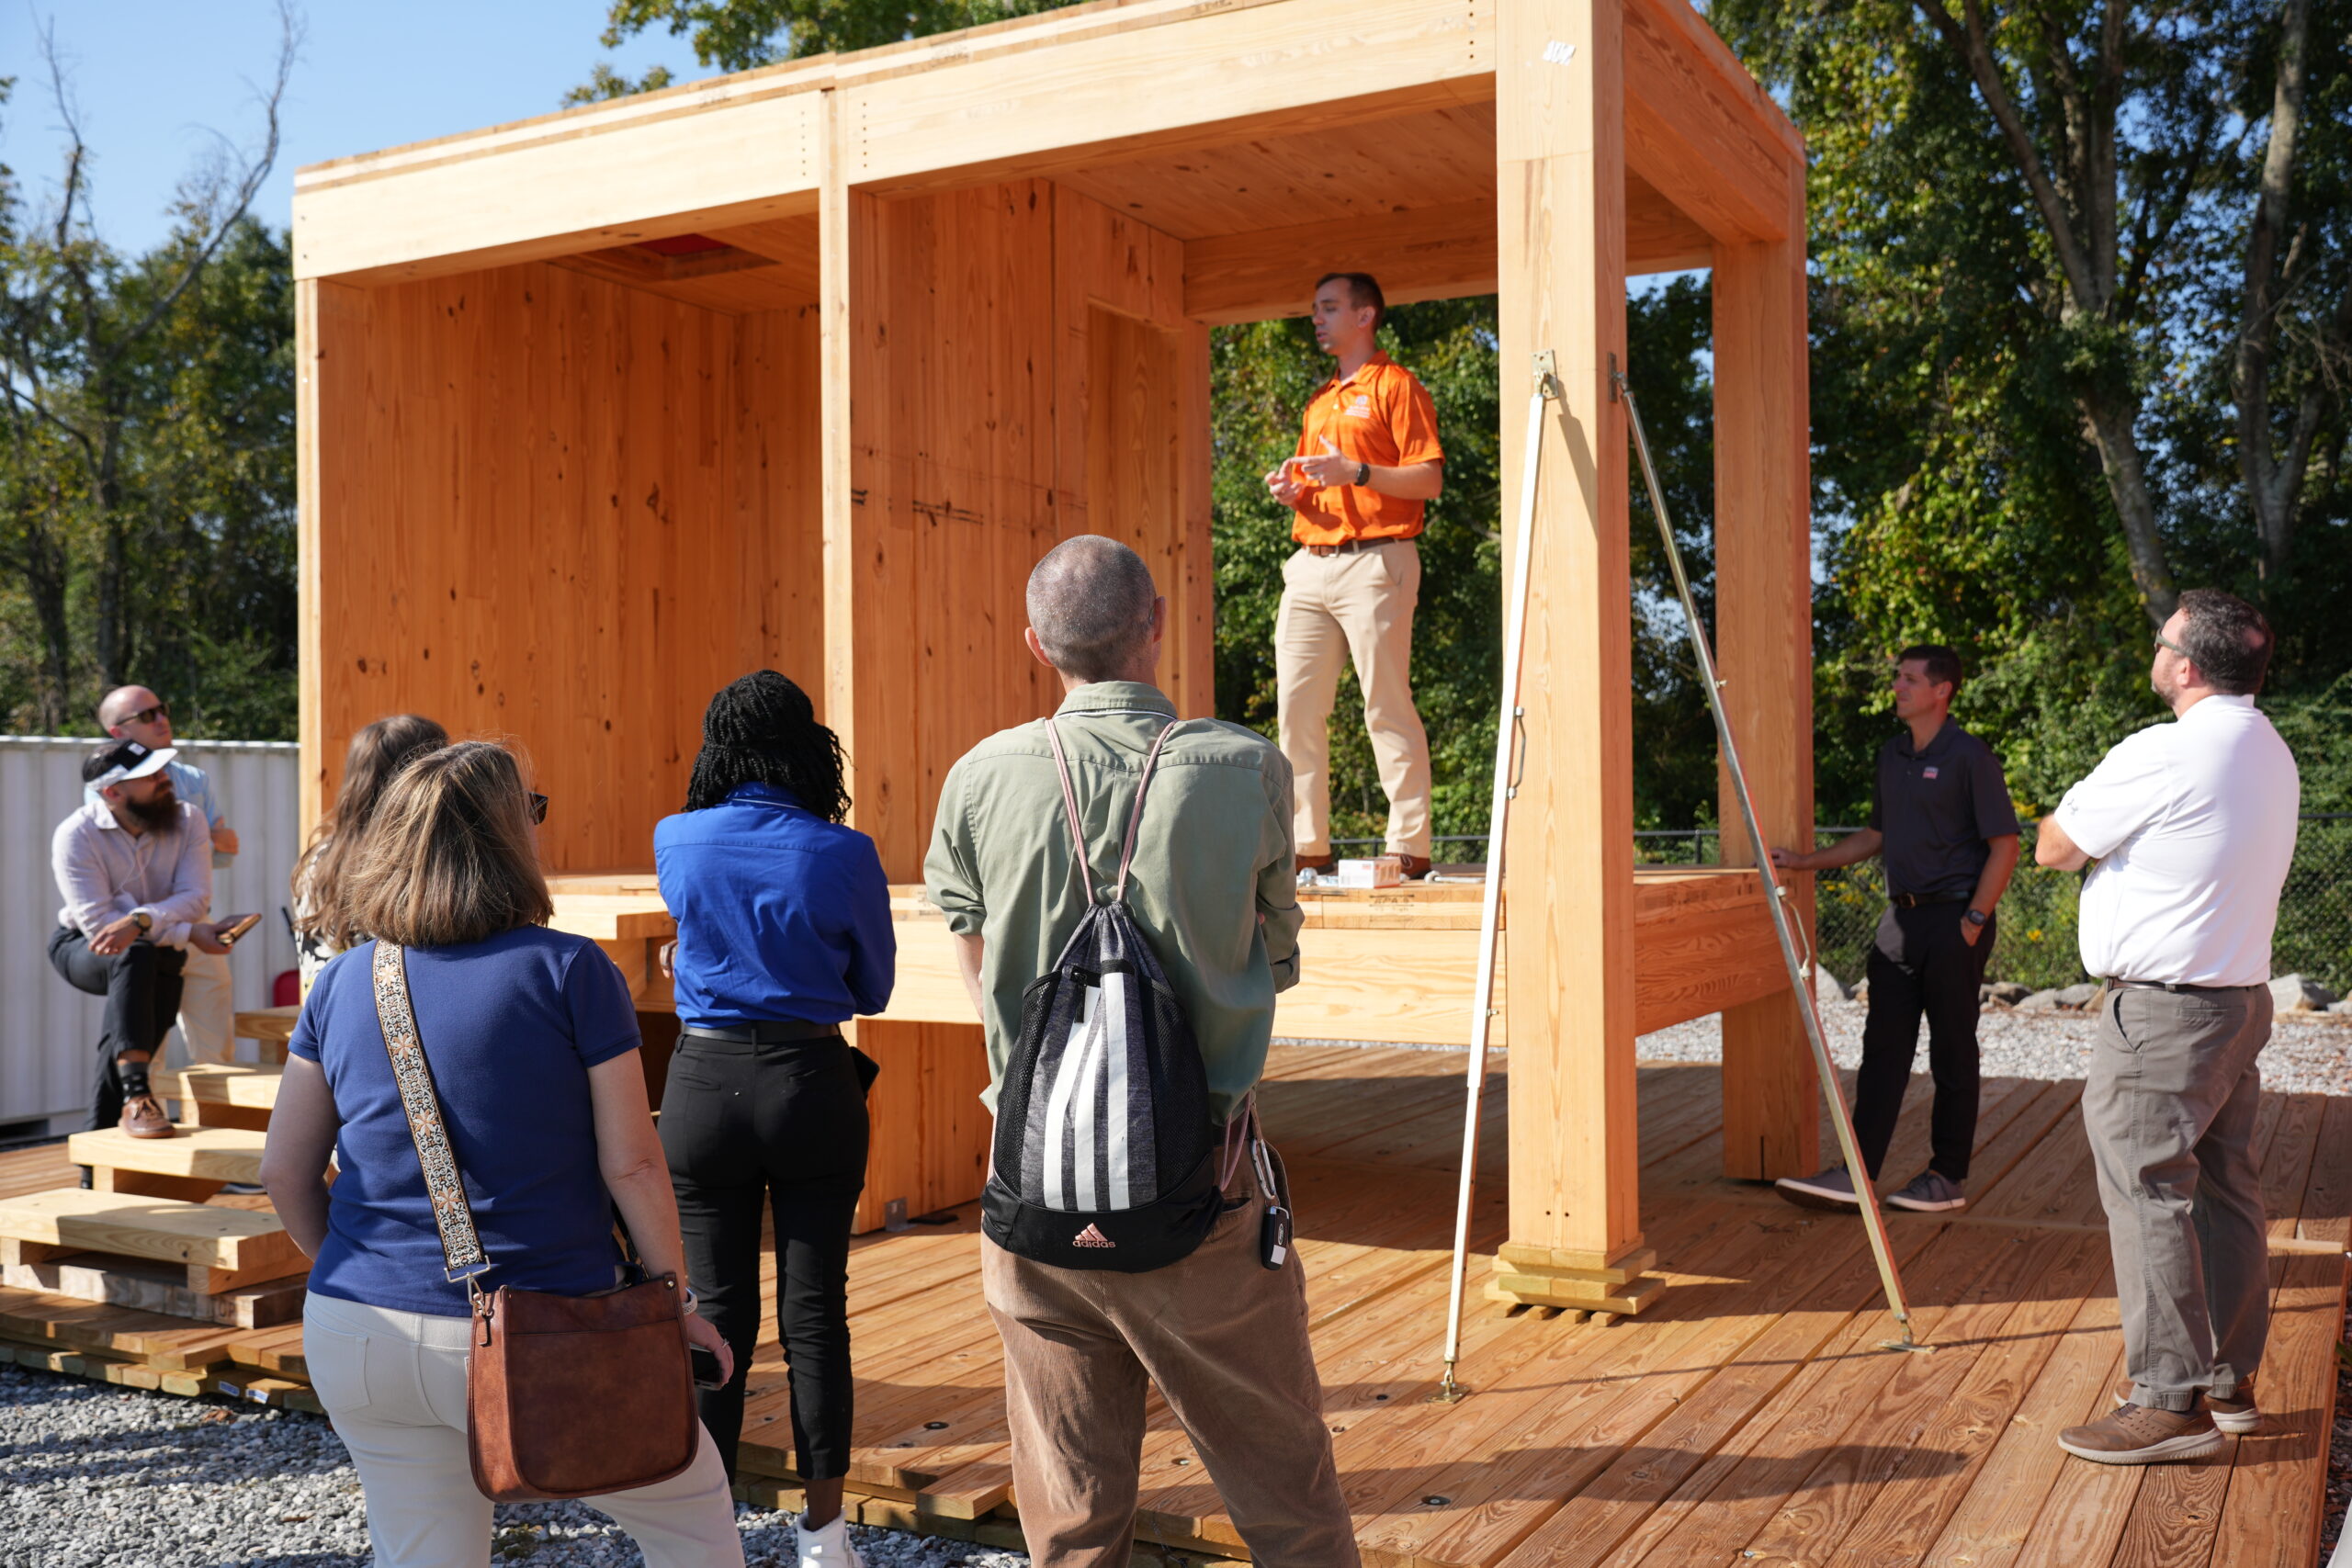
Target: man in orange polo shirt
[(1368, 462)]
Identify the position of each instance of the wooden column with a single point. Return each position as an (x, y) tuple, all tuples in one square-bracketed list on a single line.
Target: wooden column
[(1574, 1164), (1764, 644)]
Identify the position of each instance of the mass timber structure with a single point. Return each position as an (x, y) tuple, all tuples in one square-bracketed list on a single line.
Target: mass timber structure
[(805, 366)]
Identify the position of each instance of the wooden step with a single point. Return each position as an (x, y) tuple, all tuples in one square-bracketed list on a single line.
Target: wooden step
[(198, 1154), (248, 1084), (155, 1287), (232, 1246)]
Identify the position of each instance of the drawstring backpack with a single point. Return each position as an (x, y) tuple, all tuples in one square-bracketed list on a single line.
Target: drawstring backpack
[(1105, 1155)]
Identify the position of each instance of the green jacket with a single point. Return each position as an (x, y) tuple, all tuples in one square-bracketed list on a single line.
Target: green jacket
[(1214, 889)]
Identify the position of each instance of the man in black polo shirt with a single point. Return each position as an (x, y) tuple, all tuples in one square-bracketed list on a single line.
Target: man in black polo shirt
[(1940, 817)]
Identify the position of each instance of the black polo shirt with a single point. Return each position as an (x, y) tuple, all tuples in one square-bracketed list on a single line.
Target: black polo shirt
[(1937, 808)]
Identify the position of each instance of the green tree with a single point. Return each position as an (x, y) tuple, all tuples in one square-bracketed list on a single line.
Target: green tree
[(737, 35), (146, 482)]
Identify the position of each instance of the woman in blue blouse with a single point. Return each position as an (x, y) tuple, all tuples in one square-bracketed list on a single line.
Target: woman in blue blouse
[(532, 1042), (784, 934)]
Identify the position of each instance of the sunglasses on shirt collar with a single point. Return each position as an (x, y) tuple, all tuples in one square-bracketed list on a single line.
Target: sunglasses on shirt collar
[(539, 808)]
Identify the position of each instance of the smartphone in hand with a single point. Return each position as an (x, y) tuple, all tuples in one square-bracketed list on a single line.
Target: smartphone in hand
[(227, 931), (705, 1366)]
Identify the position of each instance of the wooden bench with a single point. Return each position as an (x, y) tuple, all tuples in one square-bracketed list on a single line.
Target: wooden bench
[(218, 1094), (221, 1249), (193, 1165), (269, 1029)]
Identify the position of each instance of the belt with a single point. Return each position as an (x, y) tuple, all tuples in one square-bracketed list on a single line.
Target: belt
[(779, 1031), (2175, 985), (1350, 546), (1912, 901)]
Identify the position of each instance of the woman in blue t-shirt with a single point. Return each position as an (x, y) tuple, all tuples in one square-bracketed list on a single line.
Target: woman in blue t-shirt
[(784, 934), (532, 1041)]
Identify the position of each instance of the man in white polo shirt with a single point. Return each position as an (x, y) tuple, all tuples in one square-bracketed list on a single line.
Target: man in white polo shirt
[(2188, 827)]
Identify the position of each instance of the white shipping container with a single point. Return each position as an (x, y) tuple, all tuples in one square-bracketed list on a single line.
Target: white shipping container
[(49, 1031)]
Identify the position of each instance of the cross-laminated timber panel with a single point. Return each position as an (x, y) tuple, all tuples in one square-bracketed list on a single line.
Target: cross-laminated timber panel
[(1013, 238)]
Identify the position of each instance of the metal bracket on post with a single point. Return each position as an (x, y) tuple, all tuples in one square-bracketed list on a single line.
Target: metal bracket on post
[(1783, 926)]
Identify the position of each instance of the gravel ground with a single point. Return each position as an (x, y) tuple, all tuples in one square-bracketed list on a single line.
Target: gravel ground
[(93, 1476), (2309, 1053)]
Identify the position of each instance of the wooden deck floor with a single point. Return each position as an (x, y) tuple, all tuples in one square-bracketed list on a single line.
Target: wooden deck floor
[(1747, 1418)]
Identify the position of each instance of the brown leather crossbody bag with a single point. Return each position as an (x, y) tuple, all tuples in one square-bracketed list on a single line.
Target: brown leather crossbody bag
[(566, 1396)]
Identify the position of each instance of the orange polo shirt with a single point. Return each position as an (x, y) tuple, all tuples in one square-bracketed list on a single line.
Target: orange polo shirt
[(1380, 415)]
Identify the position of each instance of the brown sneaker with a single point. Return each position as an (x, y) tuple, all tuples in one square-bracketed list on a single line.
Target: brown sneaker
[(143, 1117), (2136, 1435), (2239, 1417)]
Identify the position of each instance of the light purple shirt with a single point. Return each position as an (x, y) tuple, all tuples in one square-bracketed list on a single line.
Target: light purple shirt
[(105, 871)]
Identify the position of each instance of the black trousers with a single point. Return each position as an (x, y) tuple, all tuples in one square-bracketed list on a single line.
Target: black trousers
[(1921, 965), (142, 986), (781, 1129)]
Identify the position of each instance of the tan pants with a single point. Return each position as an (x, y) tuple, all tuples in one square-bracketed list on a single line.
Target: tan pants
[(394, 1384), (1358, 605), (1225, 1338), (208, 1023)]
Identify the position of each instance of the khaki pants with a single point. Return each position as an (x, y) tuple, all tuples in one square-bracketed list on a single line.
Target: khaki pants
[(1356, 606), (1225, 1338), (208, 1011), (2170, 1106), (394, 1384)]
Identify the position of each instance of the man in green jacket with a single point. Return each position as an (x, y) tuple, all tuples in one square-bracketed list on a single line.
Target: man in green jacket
[(1213, 892)]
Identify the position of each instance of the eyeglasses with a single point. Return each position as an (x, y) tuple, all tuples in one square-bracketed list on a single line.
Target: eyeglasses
[(539, 808), (2163, 641), (147, 716)]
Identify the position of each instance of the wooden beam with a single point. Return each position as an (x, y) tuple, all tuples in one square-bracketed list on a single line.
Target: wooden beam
[(1575, 1182), (1700, 138), (1430, 253), (1764, 633), (1659, 236), (646, 180), (331, 323), (1141, 88)]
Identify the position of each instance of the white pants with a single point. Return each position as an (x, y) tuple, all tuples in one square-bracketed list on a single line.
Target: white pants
[(208, 1011), (394, 1383)]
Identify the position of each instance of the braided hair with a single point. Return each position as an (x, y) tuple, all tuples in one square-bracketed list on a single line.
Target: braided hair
[(762, 729)]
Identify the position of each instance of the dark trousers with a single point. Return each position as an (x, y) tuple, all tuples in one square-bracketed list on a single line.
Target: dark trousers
[(780, 1128), (1921, 965), (142, 986)]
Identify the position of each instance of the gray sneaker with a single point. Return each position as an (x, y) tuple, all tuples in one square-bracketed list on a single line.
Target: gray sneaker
[(1930, 1192), (1833, 1189)]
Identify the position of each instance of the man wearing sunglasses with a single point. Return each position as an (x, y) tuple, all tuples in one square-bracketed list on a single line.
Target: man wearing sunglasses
[(208, 1009)]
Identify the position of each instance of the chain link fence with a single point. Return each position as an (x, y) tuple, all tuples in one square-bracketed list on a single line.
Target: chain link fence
[(2036, 944)]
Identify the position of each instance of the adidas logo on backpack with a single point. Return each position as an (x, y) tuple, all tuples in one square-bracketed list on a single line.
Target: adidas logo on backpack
[(1102, 1114)]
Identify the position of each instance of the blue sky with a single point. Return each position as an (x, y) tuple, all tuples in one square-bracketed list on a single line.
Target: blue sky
[(154, 78)]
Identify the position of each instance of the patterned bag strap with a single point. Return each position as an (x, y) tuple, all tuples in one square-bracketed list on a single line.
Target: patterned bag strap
[(461, 1254)]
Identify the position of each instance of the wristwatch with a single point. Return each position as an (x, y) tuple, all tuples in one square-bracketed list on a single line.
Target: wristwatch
[(142, 919), (1363, 473), (1976, 916)]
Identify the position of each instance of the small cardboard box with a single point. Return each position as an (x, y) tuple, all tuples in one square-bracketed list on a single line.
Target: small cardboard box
[(1381, 870)]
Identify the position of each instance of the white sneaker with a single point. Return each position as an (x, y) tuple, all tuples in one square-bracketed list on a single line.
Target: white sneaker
[(828, 1547)]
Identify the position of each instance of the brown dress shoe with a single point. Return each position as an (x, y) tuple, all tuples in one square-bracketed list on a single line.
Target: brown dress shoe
[(143, 1117), (1415, 866), (2238, 1416), (2136, 1435)]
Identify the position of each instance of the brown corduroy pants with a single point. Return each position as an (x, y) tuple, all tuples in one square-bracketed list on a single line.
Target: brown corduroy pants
[(1225, 1340)]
